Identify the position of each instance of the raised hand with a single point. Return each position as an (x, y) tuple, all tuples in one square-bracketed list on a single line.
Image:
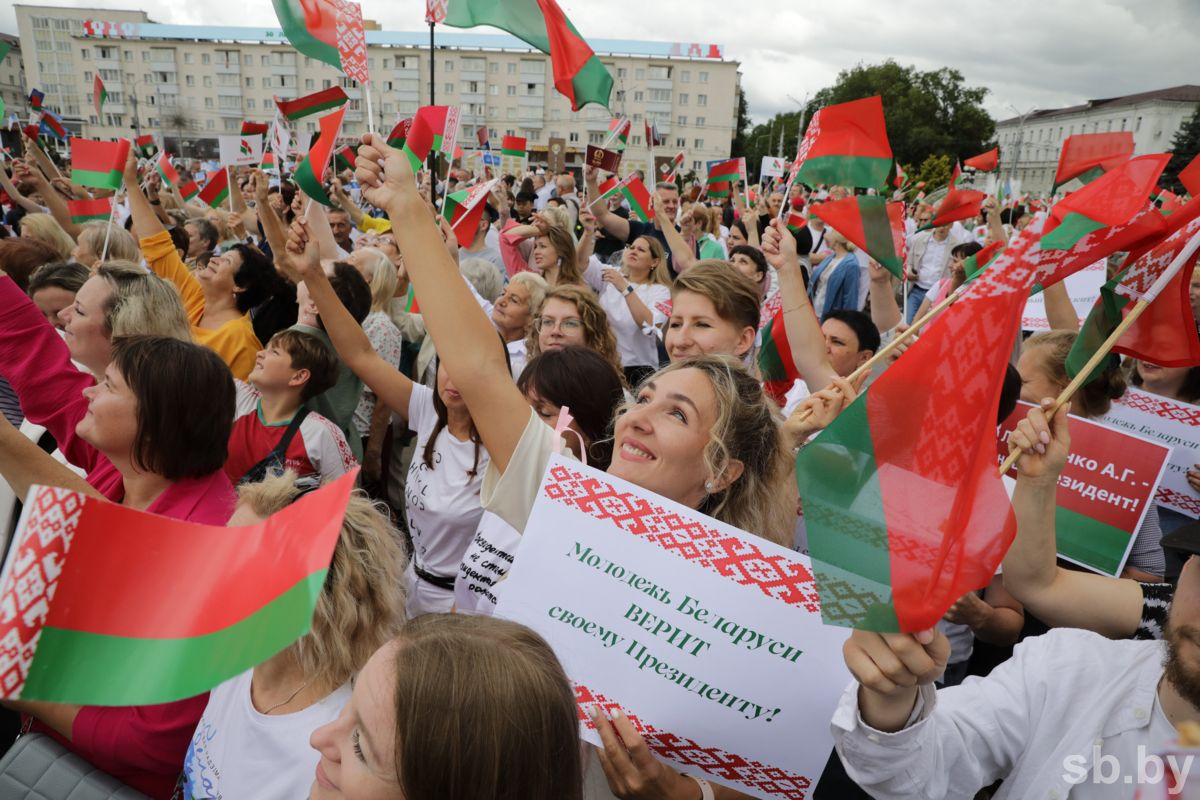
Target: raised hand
[(301, 259), (778, 244), (1043, 444), (383, 173)]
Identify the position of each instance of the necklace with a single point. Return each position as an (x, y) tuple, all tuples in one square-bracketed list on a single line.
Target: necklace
[(291, 697)]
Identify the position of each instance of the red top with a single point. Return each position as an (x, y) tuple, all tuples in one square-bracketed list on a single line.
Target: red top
[(143, 746)]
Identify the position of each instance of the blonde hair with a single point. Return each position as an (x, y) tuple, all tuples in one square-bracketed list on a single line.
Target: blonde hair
[(734, 296), (484, 711), (747, 429), (1095, 397), (362, 604), (141, 303), (559, 218), (597, 333), (46, 229), (563, 244), (383, 278), (536, 286), (658, 273), (121, 244)]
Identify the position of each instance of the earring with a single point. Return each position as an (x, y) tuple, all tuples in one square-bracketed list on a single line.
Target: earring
[(708, 487)]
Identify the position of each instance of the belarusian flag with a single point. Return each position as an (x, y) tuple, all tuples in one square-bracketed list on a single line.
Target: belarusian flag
[(311, 27), (872, 224), (418, 142), (36, 99), (904, 519), (410, 301), (639, 198), (216, 191), (310, 172), (676, 166), (796, 218), (99, 95), (846, 145), (1189, 176), (315, 103), (112, 565), (901, 178), (1165, 333), (52, 125), (464, 209), (724, 171), (1169, 202), (166, 170), (443, 123), (985, 162), (513, 146), (345, 158), (1087, 156), (776, 367), (268, 162), (578, 74), (145, 145), (400, 132), (100, 165), (82, 211), (608, 188), (957, 205), (620, 128), (189, 190), (1106, 204), (254, 128), (722, 189)]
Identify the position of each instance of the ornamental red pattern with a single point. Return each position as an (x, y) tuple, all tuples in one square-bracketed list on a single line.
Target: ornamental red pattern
[(713, 760), (29, 580), (1184, 502), (738, 560), (1166, 408)]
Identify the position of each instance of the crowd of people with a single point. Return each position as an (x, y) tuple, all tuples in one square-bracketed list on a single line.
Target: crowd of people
[(214, 365)]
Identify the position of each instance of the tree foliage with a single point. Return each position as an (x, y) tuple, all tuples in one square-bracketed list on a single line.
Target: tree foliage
[(935, 171), (1184, 147), (741, 131), (927, 113)]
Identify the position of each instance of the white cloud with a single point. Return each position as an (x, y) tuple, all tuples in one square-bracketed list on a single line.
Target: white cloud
[(1027, 52)]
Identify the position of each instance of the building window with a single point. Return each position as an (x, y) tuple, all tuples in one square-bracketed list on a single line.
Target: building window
[(1124, 122), (637, 141), (205, 58), (701, 99), (704, 77), (208, 102), (449, 66), (448, 87), (555, 114), (250, 103), (683, 98), (685, 76), (512, 68), (680, 142), (638, 97), (621, 72), (682, 119), (494, 90), (494, 67), (699, 122), (266, 60), (189, 80), (1137, 126), (664, 96), (210, 124), (597, 138), (208, 81), (249, 83), (660, 73), (639, 74), (248, 60), (308, 83), (511, 91)]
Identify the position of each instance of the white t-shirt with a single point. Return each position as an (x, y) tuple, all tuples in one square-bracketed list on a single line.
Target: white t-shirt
[(636, 344), (386, 340), (238, 752), (442, 504), (933, 261), (518, 357), (484, 564)]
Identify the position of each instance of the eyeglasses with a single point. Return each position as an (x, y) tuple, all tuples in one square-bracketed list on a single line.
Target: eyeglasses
[(571, 324)]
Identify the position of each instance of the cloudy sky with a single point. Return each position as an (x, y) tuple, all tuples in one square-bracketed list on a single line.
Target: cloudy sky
[(1028, 53)]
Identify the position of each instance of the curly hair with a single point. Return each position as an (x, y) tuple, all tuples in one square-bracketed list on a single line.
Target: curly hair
[(362, 604), (747, 429), (597, 333)]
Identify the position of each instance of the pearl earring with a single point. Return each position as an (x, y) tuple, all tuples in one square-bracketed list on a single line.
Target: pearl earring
[(708, 487)]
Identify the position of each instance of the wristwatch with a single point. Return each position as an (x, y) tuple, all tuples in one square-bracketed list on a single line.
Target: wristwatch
[(628, 290)]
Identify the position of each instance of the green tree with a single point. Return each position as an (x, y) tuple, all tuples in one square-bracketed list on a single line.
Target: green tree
[(1184, 147), (935, 171), (743, 123)]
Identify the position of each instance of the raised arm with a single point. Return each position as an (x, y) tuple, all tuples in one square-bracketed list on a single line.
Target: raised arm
[(346, 204), (467, 343), (24, 464), (682, 254), (15, 194), (1060, 313), (1059, 597), (885, 311), (53, 200), (809, 352), (617, 227), (301, 260)]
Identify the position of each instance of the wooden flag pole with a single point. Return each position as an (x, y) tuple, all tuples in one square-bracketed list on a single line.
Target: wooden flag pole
[(366, 87), (112, 213), (229, 188), (1064, 397)]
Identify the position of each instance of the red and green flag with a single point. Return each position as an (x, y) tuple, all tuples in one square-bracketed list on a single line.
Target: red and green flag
[(1087, 156), (1104, 203), (216, 191), (345, 158), (166, 170), (985, 162), (901, 179), (619, 129), (513, 146), (146, 148), (82, 211), (1165, 333), (720, 189), (418, 142), (796, 218), (776, 367), (1168, 202), (100, 165), (578, 74), (85, 632), (189, 190), (846, 145), (724, 171), (638, 197), (268, 161), (99, 95), (904, 519), (52, 125), (978, 262), (872, 224), (310, 172), (37, 99), (463, 210), (315, 103), (254, 128), (311, 27), (399, 132), (410, 301), (958, 204), (608, 188)]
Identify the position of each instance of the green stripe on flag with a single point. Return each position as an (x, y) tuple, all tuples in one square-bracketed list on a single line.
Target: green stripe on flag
[(849, 548), (127, 671), (862, 171), (311, 185), (1074, 227), (292, 20), (97, 180), (1089, 541), (877, 231)]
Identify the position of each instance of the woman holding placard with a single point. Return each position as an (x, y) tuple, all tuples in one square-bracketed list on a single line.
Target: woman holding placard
[(1181, 384)]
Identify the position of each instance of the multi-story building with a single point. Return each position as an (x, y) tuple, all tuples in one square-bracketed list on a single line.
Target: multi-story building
[(1030, 144), (192, 83), (12, 76)]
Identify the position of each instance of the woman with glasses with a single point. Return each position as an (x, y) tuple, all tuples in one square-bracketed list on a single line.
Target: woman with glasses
[(570, 315)]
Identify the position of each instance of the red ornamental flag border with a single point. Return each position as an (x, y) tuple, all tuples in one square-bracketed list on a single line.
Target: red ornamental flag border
[(351, 40)]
